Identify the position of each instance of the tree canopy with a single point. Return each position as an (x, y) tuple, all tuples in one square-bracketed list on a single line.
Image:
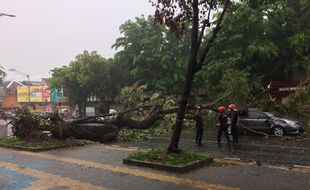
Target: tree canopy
[(89, 75), (152, 55), (265, 41), (2, 73)]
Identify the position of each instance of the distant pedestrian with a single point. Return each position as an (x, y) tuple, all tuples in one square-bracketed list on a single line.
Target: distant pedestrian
[(223, 126), (234, 118), (199, 125)]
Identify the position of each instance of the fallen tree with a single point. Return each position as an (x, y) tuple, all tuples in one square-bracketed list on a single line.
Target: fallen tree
[(99, 128), (103, 128)]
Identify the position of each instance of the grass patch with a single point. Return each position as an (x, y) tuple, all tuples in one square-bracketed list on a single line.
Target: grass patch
[(14, 141), (163, 157)]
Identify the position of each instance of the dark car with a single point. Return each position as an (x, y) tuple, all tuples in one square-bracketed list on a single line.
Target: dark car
[(266, 122)]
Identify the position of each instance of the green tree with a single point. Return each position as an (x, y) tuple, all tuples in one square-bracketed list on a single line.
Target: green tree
[(87, 76), (176, 15), (2, 74), (264, 40), (300, 41), (151, 55)]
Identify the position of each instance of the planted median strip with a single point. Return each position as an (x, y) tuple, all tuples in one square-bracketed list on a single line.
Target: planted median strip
[(183, 161), (19, 144)]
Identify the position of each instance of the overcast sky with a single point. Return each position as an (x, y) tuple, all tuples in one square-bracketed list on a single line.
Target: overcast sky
[(49, 33)]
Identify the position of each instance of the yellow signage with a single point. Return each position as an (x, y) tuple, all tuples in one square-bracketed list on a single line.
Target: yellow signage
[(37, 94), (22, 94)]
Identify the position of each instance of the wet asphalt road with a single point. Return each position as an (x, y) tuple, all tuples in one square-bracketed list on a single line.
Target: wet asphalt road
[(286, 151), (99, 166), (275, 151)]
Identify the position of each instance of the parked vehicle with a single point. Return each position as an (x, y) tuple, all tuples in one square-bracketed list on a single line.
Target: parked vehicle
[(266, 122), (9, 115)]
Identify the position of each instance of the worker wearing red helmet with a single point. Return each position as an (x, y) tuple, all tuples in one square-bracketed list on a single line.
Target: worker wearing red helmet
[(223, 127), (234, 117)]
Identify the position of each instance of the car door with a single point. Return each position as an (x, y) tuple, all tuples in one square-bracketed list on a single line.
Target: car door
[(247, 120), (250, 120), (255, 120), (261, 122)]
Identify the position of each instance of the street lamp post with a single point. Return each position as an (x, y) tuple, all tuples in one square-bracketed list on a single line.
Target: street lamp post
[(28, 89), (21, 73), (3, 14)]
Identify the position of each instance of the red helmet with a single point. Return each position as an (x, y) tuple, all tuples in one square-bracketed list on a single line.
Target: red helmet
[(221, 109), (232, 106)]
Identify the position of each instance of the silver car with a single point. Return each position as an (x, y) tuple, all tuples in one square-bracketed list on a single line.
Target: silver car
[(269, 123)]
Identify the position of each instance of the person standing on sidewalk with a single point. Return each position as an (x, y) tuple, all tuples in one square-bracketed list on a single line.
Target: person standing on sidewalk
[(234, 117), (223, 126), (199, 125)]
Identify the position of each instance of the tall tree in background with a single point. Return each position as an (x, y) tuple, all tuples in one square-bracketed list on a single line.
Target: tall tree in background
[(258, 43), (89, 75), (176, 15), (299, 42), (151, 55), (2, 74)]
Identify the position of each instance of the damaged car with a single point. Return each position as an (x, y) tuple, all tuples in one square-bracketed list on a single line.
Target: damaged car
[(257, 120)]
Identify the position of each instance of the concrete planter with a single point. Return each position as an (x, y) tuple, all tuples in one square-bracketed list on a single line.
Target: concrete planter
[(39, 149), (180, 168)]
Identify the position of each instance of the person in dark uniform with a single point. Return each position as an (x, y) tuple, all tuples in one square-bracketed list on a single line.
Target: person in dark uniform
[(234, 117), (199, 126), (223, 126)]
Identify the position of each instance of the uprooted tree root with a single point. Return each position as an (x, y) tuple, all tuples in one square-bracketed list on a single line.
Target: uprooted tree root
[(30, 127)]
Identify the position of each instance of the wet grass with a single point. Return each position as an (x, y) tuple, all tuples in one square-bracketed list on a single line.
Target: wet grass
[(14, 141), (163, 157)]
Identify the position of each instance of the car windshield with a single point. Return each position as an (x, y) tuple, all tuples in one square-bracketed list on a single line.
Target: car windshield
[(273, 114), (269, 114)]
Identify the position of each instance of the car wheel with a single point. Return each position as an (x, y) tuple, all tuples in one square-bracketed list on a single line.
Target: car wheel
[(278, 131)]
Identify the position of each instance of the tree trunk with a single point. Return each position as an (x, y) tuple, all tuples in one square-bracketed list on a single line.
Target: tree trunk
[(191, 67), (105, 106), (105, 128), (82, 109), (92, 128), (97, 132)]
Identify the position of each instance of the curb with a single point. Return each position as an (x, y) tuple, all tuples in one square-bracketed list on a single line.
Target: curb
[(300, 168), (33, 149), (238, 161), (233, 161), (180, 169)]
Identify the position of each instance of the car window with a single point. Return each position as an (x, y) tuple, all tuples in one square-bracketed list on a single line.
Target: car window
[(256, 115), (262, 115), (269, 114), (277, 114)]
